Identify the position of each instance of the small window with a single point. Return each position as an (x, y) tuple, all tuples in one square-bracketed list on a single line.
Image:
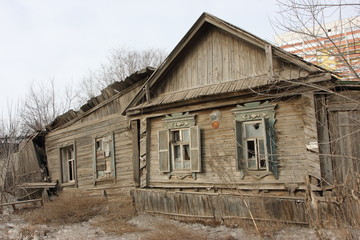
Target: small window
[(67, 156), (179, 150)]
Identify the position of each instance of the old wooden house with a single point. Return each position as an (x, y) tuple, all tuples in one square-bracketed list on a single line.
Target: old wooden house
[(92, 149), (229, 115), (229, 126)]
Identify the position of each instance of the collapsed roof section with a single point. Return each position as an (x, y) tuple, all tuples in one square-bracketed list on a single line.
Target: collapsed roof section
[(111, 92)]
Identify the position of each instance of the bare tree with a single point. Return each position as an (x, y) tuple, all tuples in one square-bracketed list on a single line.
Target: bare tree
[(318, 31), (43, 103), (10, 136), (120, 64)]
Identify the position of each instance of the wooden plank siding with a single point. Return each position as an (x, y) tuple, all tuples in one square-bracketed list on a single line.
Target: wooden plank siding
[(218, 151), (102, 121), (216, 58)]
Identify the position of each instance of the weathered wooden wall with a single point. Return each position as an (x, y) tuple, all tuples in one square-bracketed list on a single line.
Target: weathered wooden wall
[(104, 120), (344, 124), (294, 130), (28, 163)]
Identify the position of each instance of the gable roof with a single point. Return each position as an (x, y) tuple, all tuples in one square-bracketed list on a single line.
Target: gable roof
[(205, 22)]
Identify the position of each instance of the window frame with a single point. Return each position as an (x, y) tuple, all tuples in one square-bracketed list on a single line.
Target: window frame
[(110, 154), (249, 113), (181, 143), (65, 164), (179, 122), (246, 139)]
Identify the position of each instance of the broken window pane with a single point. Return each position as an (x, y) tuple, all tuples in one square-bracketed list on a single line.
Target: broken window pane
[(255, 145)]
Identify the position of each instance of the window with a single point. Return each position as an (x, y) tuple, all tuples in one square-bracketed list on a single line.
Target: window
[(67, 155), (255, 137), (179, 144), (104, 163), (254, 145)]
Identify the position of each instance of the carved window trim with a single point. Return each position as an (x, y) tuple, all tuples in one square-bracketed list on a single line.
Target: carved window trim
[(252, 112), (178, 122)]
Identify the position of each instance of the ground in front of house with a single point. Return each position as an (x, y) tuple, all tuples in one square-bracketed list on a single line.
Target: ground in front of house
[(94, 218)]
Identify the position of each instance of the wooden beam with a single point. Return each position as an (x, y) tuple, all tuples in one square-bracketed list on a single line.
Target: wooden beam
[(147, 92), (269, 62)]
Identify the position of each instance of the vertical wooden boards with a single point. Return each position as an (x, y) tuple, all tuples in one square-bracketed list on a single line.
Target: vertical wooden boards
[(216, 57), (310, 133), (144, 153), (324, 140), (344, 124), (219, 206), (135, 127)]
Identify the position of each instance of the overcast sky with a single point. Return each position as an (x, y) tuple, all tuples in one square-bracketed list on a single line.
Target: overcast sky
[(46, 39)]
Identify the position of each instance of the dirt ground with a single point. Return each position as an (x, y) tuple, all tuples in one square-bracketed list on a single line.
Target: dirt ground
[(14, 226)]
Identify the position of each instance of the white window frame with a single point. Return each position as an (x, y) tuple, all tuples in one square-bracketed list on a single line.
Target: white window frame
[(181, 143), (68, 165), (179, 122)]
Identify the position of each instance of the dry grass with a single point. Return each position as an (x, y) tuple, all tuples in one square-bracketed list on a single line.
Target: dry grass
[(69, 209), (117, 215)]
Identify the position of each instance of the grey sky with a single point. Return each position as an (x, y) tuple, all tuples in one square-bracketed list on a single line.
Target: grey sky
[(45, 39)]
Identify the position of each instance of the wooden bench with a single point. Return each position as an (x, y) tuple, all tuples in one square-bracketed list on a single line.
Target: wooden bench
[(13, 204), (45, 186)]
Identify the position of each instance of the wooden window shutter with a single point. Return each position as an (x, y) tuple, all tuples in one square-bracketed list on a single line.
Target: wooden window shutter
[(241, 164), (271, 147), (195, 149), (164, 153)]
